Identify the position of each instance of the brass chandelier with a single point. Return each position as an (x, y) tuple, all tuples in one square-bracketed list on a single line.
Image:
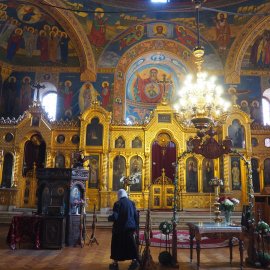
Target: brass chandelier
[(200, 102)]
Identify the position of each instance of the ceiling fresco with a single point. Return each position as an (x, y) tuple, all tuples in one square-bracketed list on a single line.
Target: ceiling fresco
[(31, 37)]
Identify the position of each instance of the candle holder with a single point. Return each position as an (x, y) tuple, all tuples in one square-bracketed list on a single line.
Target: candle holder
[(216, 183)]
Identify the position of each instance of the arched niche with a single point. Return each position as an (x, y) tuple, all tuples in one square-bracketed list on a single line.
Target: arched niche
[(34, 153), (136, 165), (125, 72)]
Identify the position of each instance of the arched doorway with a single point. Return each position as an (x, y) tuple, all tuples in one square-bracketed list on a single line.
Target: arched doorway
[(163, 160)]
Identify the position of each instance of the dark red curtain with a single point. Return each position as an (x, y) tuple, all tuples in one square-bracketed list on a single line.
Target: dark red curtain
[(163, 158)]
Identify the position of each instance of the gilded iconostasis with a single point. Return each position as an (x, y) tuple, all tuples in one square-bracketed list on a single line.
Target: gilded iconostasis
[(112, 63)]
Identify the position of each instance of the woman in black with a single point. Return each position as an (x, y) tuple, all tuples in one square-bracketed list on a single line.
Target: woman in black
[(125, 223)]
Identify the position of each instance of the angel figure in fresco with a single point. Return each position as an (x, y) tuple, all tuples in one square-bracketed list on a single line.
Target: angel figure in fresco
[(97, 36), (223, 31)]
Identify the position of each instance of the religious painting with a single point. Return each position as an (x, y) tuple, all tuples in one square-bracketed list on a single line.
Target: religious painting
[(93, 171), (30, 37), (169, 201), (236, 173), (119, 170), (160, 30), (266, 172), (60, 139), (136, 143), (237, 134), (207, 174), (136, 165), (192, 175), (255, 174), (35, 121), (119, 142), (157, 200), (60, 161), (94, 133)]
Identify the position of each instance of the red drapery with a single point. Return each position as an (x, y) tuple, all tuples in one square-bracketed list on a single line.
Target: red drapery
[(163, 158)]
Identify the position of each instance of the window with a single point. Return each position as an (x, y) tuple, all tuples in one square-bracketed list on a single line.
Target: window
[(266, 107), (48, 98), (49, 103)]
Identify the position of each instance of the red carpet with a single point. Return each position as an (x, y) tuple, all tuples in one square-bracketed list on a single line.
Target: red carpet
[(159, 240)]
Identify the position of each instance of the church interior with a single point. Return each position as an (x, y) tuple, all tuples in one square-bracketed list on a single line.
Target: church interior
[(168, 99)]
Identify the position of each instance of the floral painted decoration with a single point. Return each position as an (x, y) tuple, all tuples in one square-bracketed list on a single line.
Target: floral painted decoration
[(227, 204)]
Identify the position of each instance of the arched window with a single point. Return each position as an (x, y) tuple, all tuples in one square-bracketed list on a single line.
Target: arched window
[(266, 106), (48, 98)]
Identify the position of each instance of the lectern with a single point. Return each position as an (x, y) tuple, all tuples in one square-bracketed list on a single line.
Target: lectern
[(61, 193)]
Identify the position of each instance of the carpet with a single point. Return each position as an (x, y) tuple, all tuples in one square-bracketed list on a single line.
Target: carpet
[(159, 240)]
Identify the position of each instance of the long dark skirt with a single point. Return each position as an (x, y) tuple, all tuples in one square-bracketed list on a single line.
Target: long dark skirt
[(123, 246)]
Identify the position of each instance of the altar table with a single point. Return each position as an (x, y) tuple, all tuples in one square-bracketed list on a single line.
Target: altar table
[(197, 230), (24, 228)]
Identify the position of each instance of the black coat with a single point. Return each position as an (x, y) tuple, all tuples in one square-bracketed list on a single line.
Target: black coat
[(125, 223)]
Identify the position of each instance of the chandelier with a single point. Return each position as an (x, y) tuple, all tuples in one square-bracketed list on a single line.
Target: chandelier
[(200, 102)]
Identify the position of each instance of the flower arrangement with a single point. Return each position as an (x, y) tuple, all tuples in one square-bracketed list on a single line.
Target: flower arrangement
[(165, 227), (227, 204)]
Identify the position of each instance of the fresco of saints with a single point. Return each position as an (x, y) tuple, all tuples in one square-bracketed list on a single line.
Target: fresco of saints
[(105, 94), (43, 46), (88, 95), (14, 43), (133, 35), (68, 95), (223, 32), (184, 37), (97, 36), (26, 94)]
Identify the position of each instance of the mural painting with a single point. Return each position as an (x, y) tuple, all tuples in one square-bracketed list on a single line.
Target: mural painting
[(29, 36)]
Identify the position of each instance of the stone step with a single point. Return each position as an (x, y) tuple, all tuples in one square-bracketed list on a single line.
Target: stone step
[(182, 217)]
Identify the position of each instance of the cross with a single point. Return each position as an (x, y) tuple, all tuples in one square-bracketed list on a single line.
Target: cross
[(38, 86)]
